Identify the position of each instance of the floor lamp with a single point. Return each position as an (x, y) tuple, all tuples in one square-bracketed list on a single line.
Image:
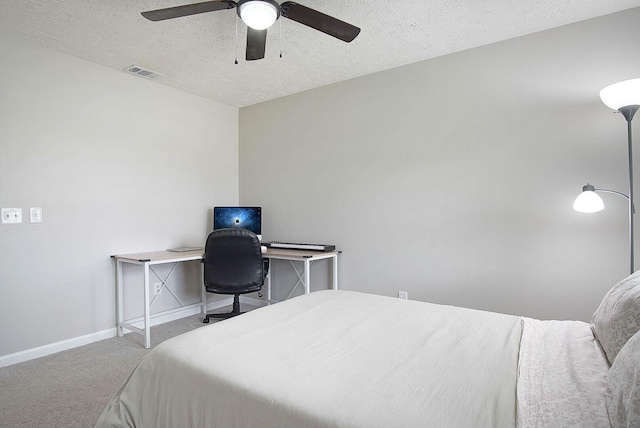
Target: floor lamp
[(625, 98)]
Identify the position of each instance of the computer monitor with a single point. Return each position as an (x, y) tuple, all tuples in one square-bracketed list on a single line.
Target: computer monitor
[(249, 218)]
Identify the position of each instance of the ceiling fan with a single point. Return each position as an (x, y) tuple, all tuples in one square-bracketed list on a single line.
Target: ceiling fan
[(260, 15)]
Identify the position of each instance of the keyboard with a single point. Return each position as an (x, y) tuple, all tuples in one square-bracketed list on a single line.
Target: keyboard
[(293, 246)]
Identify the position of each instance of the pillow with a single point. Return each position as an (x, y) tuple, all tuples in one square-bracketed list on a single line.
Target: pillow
[(618, 316), (623, 386)]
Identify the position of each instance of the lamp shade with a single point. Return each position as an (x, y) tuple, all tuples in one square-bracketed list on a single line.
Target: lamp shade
[(621, 94), (258, 14), (588, 201)]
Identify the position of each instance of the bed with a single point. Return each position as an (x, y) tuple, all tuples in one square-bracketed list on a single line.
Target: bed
[(356, 360)]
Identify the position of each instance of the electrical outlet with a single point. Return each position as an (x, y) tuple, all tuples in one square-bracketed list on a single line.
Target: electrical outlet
[(403, 295), (35, 215), (157, 288)]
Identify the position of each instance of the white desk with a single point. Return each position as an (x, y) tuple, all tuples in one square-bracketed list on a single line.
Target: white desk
[(148, 260)]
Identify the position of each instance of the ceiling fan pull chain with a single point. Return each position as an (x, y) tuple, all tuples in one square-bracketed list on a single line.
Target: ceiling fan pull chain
[(236, 61), (280, 37)]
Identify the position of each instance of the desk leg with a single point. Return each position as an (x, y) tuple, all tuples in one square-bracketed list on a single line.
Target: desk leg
[(204, 290), (147, 309), (119, 299), (307, 276), (268, 279), (335, 272)]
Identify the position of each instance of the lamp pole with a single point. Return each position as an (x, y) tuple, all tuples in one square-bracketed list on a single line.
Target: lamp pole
[(628, 112)]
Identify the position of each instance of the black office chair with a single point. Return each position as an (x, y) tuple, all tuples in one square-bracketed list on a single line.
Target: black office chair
[(233, 264)]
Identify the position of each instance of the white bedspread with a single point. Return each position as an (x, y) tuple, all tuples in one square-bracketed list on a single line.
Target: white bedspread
[(330, 359), (561, 376)]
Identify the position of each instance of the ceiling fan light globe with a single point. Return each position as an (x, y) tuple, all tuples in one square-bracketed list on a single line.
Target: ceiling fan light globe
[(258, 14), (621, 94)]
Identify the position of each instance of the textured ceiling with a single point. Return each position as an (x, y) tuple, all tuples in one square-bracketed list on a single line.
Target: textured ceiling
[(196, 54)]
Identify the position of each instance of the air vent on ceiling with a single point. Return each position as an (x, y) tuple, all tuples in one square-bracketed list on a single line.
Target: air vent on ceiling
[(134, 69)]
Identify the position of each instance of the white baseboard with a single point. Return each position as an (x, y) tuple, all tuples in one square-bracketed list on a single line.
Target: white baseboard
[(64, 345), (52, 348)]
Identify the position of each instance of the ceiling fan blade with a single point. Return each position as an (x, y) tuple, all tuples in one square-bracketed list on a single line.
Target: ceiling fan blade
[(319, 21), (188, 9), (256, 42)]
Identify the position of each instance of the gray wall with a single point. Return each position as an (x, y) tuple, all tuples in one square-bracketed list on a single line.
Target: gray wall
[(119, 164), (453, 178)]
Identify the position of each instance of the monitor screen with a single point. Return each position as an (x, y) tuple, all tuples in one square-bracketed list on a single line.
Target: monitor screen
[(240, 217)]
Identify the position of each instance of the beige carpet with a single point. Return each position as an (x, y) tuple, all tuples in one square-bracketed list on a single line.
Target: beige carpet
[(71, 388)]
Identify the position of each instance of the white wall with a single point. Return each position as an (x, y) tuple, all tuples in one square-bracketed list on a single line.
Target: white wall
[(453, 178), (119, 164)]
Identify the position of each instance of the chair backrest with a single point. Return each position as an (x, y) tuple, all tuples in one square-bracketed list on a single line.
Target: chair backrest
[(233, 261)]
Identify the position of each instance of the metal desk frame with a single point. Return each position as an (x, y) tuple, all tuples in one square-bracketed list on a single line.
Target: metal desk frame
[(148, 260), (307, 258)]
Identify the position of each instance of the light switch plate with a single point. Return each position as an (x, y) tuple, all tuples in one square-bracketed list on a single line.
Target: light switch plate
[(11, 215), (35, 215)]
